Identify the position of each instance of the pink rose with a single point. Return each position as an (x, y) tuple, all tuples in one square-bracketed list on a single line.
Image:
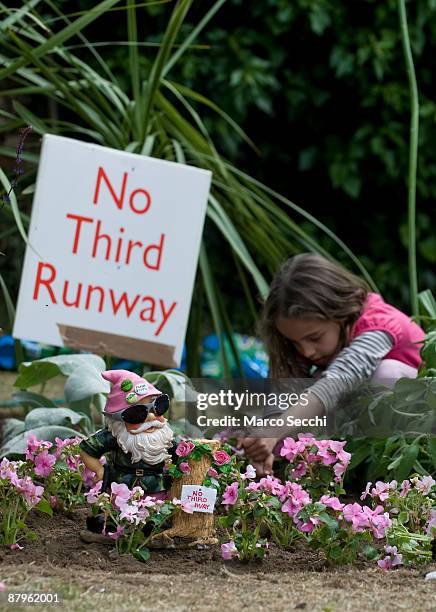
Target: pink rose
[(185, 448), (221, 457), (184, 467)]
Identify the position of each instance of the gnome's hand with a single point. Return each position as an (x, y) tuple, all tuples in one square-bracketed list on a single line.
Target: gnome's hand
[(93, 464)]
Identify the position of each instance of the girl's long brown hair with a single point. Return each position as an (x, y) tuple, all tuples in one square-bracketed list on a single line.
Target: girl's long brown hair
[(308, 287)]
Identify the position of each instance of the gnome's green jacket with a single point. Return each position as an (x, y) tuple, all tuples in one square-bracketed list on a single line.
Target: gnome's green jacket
[(120, 468)]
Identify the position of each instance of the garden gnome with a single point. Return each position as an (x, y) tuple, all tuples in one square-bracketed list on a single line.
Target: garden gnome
[(136, 437)]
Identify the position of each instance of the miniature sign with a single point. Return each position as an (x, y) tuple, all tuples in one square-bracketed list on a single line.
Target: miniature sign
[(202, 498), (114, 242)]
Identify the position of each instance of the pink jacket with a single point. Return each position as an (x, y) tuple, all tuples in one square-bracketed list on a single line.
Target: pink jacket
[(407, 335)]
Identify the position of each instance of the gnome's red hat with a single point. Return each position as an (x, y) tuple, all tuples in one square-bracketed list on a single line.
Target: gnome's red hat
[(127, 389)]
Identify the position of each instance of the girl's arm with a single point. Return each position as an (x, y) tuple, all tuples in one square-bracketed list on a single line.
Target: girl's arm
[(350, 368)]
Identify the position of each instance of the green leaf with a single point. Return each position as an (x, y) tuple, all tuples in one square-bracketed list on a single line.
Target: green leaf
[(41, 370), (408, 456), (42, 417), (143, 554), (35, 400), (83, 383), (370, 553), (328, 520), (11, 428), (44, 506), (60, 37), (431, 447)]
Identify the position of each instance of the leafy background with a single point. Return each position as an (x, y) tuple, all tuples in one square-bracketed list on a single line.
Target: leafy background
[(320, 86)]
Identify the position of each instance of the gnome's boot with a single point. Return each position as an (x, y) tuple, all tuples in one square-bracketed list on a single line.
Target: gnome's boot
[(93, 533)]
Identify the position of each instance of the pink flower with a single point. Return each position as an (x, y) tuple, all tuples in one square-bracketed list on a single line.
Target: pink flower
[(187, 507), (300, 470), (270, 485), (147, 502), (212, 473), (379, 521), (292, 448), (338, 448), (16, 547), (121, 492), (431, 526), (220, 457), (425, 485), (31, 493), (114, 535), (185, 448), (354, 514), (128, 511), (339, 469), (2, 586), (327, 458), (308, 526), (184, 467), (332, 502), (392, 561), (366, 491), (44, 463), (92, 494), (61, 444), (142, 514), (7, 471), (381, 490), (230, 494), (73, 461), (405, 488), (297, 498), (229, 550), (88, 476), (249, 474), (33, 445)]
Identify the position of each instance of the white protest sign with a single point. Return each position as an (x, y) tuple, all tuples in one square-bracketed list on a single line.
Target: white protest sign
[(114, 242), (201, 498)]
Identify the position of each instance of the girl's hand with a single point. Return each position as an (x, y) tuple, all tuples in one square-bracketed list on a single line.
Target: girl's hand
[(258, 449), (264, 468)]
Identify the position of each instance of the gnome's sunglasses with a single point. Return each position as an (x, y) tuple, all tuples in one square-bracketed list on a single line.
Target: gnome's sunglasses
[(139, 412)]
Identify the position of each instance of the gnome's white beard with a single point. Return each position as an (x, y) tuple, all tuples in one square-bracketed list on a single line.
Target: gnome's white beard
[(143, 446)]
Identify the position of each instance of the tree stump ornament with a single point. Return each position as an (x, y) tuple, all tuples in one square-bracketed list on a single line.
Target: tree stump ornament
[(190, 529)]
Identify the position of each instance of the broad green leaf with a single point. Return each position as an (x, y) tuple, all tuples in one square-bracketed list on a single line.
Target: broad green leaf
[(42, 417), (11, 428), (35, 400), (36, 372), (85, 382)]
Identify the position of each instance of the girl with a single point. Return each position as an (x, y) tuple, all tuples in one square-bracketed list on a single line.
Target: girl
[(321, 320)]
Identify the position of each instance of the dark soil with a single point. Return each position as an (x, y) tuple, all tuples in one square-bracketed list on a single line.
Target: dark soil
[(87, 576)]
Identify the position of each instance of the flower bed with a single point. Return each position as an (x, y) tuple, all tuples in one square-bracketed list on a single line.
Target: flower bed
[(392, 523)]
